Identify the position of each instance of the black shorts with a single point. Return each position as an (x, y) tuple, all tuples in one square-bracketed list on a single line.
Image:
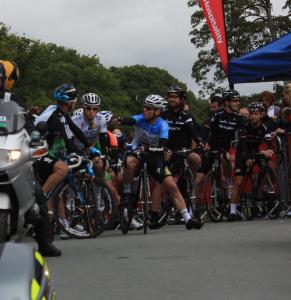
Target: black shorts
[(157, 168), (240, 164), (206, 164), (43, 168)]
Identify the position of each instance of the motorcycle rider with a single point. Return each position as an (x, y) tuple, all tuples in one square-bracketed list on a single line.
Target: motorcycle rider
[(9, 73)]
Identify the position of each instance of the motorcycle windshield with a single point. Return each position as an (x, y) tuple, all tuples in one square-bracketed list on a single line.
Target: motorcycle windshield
[(12, 118)]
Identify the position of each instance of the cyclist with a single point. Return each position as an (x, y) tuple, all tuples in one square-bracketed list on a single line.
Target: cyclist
[(62, 133), (223, 126), (254, 133), (215, 105), (152, 131), (182, 133), (9, 73), (90, 122), (182, 126), (93, 125)]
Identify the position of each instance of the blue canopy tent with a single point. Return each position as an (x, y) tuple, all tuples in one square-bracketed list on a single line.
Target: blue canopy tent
[(271, 62)]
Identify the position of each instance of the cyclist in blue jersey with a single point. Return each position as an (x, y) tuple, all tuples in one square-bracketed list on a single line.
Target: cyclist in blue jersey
[(151, 131)]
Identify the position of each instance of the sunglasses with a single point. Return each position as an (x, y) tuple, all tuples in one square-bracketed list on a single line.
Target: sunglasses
[(91, 108)]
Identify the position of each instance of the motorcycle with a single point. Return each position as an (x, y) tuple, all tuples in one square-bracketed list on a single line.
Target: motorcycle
[(23, 271), (18, 150)]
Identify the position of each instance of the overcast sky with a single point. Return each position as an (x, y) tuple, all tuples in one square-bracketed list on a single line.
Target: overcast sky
[(149, 32)]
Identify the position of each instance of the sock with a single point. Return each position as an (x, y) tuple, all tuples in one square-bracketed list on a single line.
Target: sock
[(186, 216), (127, 188), (233, 207)]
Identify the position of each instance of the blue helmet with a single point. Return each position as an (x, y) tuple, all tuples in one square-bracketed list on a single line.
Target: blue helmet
[(65, 93)]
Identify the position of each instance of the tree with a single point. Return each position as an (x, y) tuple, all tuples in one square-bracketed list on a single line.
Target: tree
[(249, 25)]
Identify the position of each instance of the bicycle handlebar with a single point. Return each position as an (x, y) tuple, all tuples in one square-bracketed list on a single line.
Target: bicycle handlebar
[(76, 165)]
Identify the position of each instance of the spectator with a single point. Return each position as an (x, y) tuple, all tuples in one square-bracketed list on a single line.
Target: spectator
[(268, 99)]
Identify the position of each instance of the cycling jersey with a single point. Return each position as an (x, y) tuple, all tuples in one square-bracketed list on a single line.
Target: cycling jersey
[(181, 129), (223, 127), (252, 137), (147, 134), (90, 129), (62, 133), (249, 143)]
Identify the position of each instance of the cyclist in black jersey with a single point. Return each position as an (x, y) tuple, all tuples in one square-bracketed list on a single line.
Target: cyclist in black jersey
[(61, 137), (223, 127), (215, 105), (182, 126), (254, 133)]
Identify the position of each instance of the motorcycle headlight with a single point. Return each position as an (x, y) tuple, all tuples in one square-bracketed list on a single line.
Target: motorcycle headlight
[(8, 156)]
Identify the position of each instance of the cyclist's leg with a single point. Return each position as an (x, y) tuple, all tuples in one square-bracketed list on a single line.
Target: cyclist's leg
[(240, 171), (110, 182), (162, 174), (59, 173), (99, 167), (194, 161), (131, 166), (203, 170)]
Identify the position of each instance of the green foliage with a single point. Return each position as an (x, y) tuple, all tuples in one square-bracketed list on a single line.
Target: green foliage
[(44, 66), (249, 25)]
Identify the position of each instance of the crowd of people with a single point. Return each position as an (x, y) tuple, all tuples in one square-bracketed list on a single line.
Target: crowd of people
[(165, 123)]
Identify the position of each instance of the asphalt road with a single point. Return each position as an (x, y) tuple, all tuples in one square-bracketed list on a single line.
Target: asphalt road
[(243, 260)]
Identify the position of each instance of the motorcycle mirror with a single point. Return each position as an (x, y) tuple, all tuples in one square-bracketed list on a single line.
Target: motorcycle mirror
[(35, 139)]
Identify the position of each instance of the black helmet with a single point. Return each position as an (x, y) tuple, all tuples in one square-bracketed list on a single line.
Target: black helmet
[(230, 94), (256, 107), (177, 90), (216, 97)]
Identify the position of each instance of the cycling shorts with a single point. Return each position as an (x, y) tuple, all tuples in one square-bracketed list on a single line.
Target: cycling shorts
[(157, 168)]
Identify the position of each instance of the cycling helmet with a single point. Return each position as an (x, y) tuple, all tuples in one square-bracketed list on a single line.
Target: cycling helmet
[(230, 94), (106, 114), (91, 99), (65, 93), (256, 107), (78, 112), (216, 97), (177, 90), (9, 73), (156, 101)]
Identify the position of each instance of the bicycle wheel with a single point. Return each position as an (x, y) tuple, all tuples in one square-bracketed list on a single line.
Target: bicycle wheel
[(70, 213), (246, 199), (270, 189), (125, 215), (146, 194), (215, 197), (192, 199), (99, 207)]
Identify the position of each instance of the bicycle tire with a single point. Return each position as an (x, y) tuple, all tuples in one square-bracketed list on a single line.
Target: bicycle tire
[(73, 212), (193, 202), (101, 208), (146, 192), (270, 189), (215, 199), (247, 199)]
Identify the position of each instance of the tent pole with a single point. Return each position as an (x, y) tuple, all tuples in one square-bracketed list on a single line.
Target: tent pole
[(231, 85)]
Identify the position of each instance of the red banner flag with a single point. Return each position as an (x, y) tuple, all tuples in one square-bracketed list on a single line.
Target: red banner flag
[(213, 12)]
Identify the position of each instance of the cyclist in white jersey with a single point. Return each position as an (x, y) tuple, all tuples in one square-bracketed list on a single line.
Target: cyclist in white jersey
[(92, 124)]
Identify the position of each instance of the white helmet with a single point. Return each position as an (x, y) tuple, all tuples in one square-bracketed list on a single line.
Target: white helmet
[(78, 112), (156, 101), (91, 99), (106, 114)]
